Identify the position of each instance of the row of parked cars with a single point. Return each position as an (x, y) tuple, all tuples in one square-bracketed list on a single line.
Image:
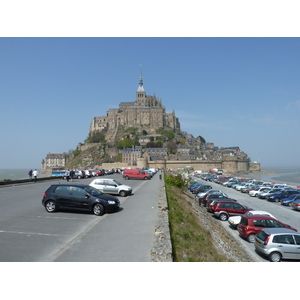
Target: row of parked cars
[(286, 195), (271, 237), (98, 197)]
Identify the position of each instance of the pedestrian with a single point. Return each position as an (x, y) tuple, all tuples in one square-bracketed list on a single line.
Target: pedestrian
[(35, 174), (67, 175), (30, 175), (72, 173)]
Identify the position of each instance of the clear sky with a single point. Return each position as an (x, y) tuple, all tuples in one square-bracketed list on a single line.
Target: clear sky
[(232, 91), (227, 69)]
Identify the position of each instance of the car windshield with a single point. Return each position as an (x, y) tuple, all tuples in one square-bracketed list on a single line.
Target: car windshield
[(92, 191)]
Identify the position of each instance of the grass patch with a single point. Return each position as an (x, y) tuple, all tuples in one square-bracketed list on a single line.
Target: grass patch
[(190, 241)]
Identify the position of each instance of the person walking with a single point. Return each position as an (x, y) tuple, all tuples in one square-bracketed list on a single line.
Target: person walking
[(68, 175), (72, 173), (35, 173), (30, 175)]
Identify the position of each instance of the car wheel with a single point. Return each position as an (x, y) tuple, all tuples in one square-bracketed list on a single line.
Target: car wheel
[(251, 238), (276, 200), (122, 193), (290, 204), (51, 206), (126, 178), (223, 217), (275, 257), (98, 209)]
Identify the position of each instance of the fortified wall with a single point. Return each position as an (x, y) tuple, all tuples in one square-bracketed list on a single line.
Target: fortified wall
[(231, 165)]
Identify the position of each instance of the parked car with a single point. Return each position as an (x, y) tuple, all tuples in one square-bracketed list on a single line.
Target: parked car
[(136, 174), (295, 205), (276, 197), (235, 220), (224, 210), (278, 243), (291, 198), (201, 197), (211, 203), (77, 174), (255, 192), (202, 189), (264, 194), (247, 188), (78, 197), (111, 186), (250, 225)]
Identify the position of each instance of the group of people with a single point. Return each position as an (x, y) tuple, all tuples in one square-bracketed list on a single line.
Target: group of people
[(33, 174)]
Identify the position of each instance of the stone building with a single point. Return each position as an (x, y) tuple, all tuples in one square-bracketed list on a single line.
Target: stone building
[(130, 156), (145, 113), (53, 161)]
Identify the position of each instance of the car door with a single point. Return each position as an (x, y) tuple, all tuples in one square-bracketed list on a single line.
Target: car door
[(99, 184), (297, 240), (80, 198), (63, 196), (237, 209), (286, 244), (259, 224), (110, 187)]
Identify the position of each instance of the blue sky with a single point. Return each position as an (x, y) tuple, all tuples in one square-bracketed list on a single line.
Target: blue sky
[(232, 91)]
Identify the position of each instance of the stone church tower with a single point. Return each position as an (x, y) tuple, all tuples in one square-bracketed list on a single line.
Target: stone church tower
[(145, 113)]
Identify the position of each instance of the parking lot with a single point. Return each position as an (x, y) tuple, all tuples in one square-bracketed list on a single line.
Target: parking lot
[(283, 213)]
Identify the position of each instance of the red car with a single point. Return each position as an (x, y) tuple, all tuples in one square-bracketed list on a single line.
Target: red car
[(250, 225), (224, 210)]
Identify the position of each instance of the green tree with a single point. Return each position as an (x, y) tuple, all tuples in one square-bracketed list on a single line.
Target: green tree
[(170, 134)]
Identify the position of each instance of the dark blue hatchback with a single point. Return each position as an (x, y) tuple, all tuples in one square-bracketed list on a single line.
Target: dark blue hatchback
[(78, 197)]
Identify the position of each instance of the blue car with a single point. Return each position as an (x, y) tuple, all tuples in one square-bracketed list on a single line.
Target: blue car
[(276, 197), (287, 201)]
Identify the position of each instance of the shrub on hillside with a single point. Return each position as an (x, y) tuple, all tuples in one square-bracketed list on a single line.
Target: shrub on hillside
[(175, 180)]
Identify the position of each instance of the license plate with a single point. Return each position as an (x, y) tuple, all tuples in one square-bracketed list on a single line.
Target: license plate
[(257, 242)]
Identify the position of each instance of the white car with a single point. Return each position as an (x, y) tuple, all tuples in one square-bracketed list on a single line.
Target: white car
[(235, 220), (254, 193), (111, 186)]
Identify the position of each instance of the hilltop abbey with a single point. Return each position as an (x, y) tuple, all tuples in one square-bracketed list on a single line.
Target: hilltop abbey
[(146, 112), (146, 115)]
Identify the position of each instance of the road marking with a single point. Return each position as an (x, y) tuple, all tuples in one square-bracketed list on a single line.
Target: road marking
[(31, 233)]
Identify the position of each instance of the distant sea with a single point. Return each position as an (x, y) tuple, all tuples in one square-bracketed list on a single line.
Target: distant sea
[(15, 174), (288, 175)]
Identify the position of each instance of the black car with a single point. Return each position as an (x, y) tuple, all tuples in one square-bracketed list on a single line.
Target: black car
[(79, 197)]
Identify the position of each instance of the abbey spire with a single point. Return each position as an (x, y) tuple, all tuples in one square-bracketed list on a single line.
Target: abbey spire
[(140, 93)]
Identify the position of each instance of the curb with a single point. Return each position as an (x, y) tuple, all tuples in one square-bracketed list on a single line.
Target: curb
[(162, 247)]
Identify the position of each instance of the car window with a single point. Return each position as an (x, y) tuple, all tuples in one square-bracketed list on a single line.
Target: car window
[(283, 239), (237, 206), (79, 192), (273, 223), (260, 223), (109, 183), (62, 190), (297, 238), (226, 205), (99, 182)]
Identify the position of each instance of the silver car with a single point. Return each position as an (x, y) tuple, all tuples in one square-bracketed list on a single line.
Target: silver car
[(278, 243)]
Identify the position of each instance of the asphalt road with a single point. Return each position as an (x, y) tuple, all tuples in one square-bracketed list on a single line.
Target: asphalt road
[(30, 234)]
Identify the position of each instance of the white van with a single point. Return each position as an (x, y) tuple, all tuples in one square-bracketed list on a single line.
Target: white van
[(111, 186)]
